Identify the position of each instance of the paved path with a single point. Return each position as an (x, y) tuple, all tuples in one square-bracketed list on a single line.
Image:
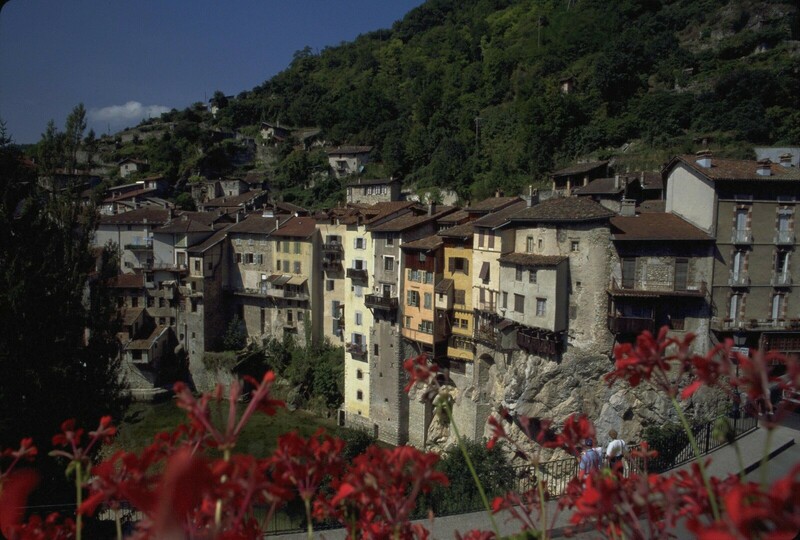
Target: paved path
[(784, 453)]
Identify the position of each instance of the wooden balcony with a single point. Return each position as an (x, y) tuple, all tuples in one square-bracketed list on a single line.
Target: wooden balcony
[(359, 274), (652, 288), (539, 341), (332, 248), (618, 324), (376, 301), (721, 324)]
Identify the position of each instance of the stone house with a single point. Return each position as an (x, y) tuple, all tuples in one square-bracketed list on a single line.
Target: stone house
[(348, 160), (575, 176), (660, 276), (750, 209), (373, 191), (133, 233)]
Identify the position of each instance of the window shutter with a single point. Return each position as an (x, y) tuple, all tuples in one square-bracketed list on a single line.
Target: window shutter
[(466, 266), (451, 264)]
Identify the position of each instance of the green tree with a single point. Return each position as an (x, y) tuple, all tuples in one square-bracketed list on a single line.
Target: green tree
[(58, 352), (73, 135), (235, 336), (50, 149), (184, 201)]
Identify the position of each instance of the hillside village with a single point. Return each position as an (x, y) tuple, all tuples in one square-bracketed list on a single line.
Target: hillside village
[(497, 292)]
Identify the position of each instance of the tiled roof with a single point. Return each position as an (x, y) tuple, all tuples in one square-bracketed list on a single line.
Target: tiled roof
[(349, 150), (424, 244), (459, 231), (140, 216), (579, 168), (602, 186), (655, 226), (564, 209), (209, 242), (530, 259), (736, 169), (254, 224), (146, 344), (443, 286), (372, 181), (129, 315), (301, 227), (234, 200), (501, 216), (255, 177), (410, 220), (652, 206), (290, 208), (206, 218), (490, 205), (458, 216), (127, 281), (650, 180), (185, 225)]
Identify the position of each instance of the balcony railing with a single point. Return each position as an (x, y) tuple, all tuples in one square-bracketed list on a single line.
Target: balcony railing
[(290, 324), (356, 349), (271, 292), (742, 236), (740, 280), (487, 306), (332, 247), (725, 324), (486, 334), (668, 288), (145, 245), (784, 238), (377, 301), (781, 280), (618, 324), (357, 273), (539, 341)]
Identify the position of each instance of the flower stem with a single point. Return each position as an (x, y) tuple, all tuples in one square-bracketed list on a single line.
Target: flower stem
[(472, 469), (78, 498), (711, 498), (765, 459), (543, 504), (118, 523), (309, 526)]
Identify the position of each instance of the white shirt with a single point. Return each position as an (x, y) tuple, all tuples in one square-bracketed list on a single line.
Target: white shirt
[(615, 448)]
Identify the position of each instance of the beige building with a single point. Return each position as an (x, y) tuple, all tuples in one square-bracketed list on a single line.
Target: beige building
[(750, 209), (348, 160), (332, 234), (371, 191)]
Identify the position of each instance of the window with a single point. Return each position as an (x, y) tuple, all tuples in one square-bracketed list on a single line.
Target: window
[(422, 257), (518, 273), (459, 296), (491, 240), (484, 273), (541, 307), (286, 266), (529, 244), (532, 276), (426, 326), (458, 264), (134, 301), (429, 277), (358, 290), (782, 265), (628, 273), (735, 306), (329, 285), (504, 305), (360, 243), (390, 240), (388, 264), (210, 265), (359, 374), (259, 259), (297, 267), (519, 303), (297, 248), (681, 274), (301, 315), (574, 246), (194, 305), (375, 349), (541, 244), (238, 259), (480, 238), (359, 395), (777, 306), (407, 322), (412, 298), (249, 258), (359, 318), (359, 264), (464, 323), (428, 298)]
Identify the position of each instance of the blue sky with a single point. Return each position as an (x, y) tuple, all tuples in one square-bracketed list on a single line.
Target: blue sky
[(127, 60)]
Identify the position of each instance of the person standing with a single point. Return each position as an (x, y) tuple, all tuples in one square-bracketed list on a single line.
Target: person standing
[(590, 460), (615, 451)]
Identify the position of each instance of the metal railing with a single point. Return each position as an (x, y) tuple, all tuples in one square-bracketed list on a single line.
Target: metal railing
[(742, 236), (784, 237)]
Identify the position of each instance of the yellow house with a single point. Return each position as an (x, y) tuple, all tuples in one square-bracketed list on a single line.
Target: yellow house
[(455, 291)]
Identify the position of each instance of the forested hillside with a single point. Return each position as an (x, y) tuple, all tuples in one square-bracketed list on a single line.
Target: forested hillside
[(467, 94)]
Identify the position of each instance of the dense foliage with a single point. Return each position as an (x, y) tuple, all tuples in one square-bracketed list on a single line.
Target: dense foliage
[(466, 95)]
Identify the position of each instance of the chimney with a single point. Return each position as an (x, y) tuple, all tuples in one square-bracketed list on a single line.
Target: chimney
[(237, 217), (431, 207), (786, 160), (704, 158), (616, 181), (169, 213), (764, 168), (277, 223), (627, 208)]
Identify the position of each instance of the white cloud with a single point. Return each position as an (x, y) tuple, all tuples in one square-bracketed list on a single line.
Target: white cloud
[(125, 115)]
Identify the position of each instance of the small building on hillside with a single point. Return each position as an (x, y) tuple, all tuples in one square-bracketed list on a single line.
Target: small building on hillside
[(566, 180), (373, 191), (128, 166), (347, 160)]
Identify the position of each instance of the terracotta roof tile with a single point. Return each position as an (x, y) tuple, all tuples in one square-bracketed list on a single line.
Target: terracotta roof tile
[(209, 242), (140, 216), (409, 220), (501, 216), (254, 224), (655, 226), (531, 259), (602, 186), (185, 225), (737, 169), (464, 230), (424, 244), (234, 200), (301, 227), (459, 216), (491, 204), (564, 209)]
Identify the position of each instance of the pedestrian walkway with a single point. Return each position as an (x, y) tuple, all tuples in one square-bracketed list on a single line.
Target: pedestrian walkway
[(724, 462)]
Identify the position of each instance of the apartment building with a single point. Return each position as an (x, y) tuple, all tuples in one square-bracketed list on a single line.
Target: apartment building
[(133, 233), (424, 323), (454, 293), (749, 207), (332, 231), (660, 275)]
